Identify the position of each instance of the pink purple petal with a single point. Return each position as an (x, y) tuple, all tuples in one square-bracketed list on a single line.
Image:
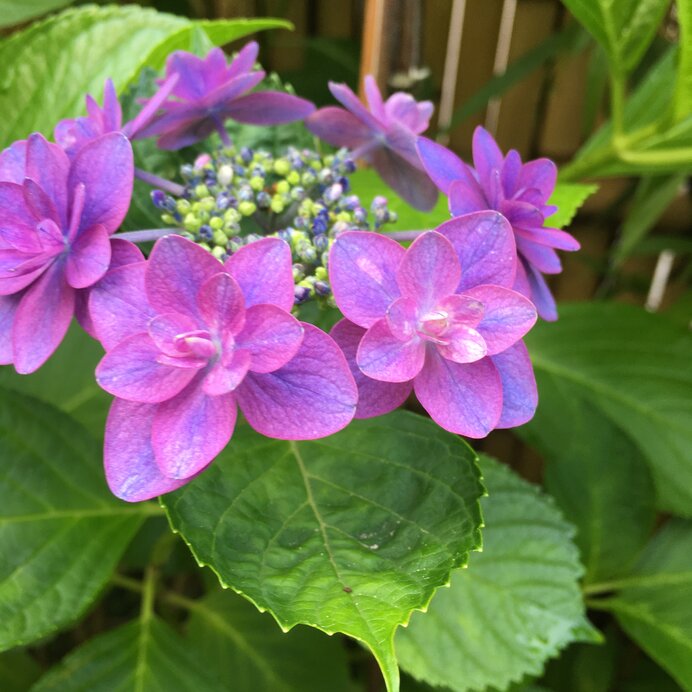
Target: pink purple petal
[(463, 398), (105, 167), (227, 374), (48, 166), (8, 309), (384, 357), (190, 430), (264, 271), (339, 128), (221, 304), (89, 257), (352, 103), (485, 245), (507, 316), (271, 336), (375, 398), (462, 344), (519, 393), (442, 165), (118, 305), (312, 396), (402, 318), (177, 269), (131, 471), (132, 371), (362, 271), (269, 108), (429, 271), (13, 163), (486, 155), (42, 319)]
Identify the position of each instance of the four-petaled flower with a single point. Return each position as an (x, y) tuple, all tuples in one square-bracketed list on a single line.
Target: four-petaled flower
[(188, 340), (57, 219), (209, 91), (384, 135), (439, 318), (520, 192)]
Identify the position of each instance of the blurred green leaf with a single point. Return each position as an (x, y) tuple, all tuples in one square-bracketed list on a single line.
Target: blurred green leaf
[(244, 649), (18, 670), (141, 656), (625, 28), (61, 531), (349, 533), (683, 88), (568, 197), (635, 368), (651, 199), (515, 605), (597, 475), (14, 12), (654, 606)]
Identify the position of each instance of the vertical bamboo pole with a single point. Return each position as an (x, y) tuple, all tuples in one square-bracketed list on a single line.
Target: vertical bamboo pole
[(373, 58)]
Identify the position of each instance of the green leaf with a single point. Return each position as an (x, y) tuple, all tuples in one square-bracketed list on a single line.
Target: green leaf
[(568, 197), (635, 368), (61, 531), (367, 184), (651, 199), (13, 12), (18, 670), (218, 32), (517, 604), (683, 87), (348, 534), (597, 474), (655, 607), (67, 381), (237, 644), (140, 656), (643, 110), (625, 28), (44, 77)]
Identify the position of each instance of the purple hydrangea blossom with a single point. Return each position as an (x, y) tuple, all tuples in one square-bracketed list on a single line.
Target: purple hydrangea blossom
[(439, 318), (58, 216), (209, 91), (520, 191), (73, 133), (383, 134), (189, 340)]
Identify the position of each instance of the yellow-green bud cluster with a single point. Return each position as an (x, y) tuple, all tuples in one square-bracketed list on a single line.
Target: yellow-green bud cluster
[(239, 195)]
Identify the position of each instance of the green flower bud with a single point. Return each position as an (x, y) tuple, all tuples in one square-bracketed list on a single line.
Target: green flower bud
[(216, 222), (257, 183), (277, 205), (282, 167), (183, 206), (282, 187), (201, 191), (293, 177), (219, 252), (220, 238), (247, 208)]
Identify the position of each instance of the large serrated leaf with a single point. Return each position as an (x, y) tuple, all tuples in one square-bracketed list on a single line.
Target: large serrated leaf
[(655, 604), (240, 646), (140, 656), (597, 474), (61, 531), (348, 534), (517, 603), (44, 76), (624, 28), (636, 368)]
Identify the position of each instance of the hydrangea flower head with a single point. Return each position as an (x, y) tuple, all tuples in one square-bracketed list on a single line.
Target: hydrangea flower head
[(188, 341), (57, 219), (383, 134), (519, 191), (440, 318), (209, 91)]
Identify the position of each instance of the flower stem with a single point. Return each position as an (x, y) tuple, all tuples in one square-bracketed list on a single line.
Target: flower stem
[(161, 183), (223, 132), (146, 236)]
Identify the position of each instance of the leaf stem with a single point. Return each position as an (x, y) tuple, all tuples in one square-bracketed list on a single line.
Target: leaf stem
[(127, 583)]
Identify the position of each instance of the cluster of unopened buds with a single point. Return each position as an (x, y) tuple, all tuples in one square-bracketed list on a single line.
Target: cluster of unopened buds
[(208, 323)]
